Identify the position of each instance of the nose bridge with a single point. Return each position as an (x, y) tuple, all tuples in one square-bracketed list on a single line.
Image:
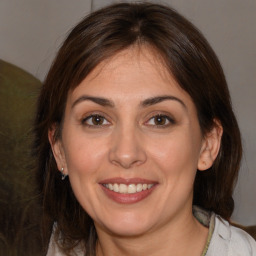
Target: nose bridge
[(126, 146)]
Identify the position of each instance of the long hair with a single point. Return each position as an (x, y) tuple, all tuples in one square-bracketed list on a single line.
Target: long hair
[(186, 55)]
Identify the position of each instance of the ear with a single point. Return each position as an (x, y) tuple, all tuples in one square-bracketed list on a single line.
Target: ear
[(210, 147), (57, 149)]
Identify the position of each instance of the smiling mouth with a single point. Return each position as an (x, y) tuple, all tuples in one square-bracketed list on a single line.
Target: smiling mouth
[(128, 191), (129, 188)]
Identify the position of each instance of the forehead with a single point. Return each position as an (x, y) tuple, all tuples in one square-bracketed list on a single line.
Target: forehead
[(128, 79), (141, 56), (138, 67)]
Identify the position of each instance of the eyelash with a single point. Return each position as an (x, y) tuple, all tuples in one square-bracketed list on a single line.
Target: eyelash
[(166, 119), (85, 121), (88, 121)]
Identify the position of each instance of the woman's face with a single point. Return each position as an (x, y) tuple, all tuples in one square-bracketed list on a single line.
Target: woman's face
[(131, 145)]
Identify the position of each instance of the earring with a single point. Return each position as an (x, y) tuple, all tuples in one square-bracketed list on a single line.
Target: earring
[(63, 175)]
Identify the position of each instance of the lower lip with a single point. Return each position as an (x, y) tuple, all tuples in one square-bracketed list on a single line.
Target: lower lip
[(127, 198)]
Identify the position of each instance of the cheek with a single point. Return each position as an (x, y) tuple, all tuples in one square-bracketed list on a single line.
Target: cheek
[(177, 151), (84, 160), (84, 156), (177, 158)]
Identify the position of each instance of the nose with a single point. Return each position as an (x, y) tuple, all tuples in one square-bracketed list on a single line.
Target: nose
[(127, 148)]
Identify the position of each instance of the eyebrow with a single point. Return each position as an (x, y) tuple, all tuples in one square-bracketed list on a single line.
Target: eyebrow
[(158, 99), (145, 103), (98, 100)]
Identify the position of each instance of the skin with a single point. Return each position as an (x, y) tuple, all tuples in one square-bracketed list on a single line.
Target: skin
[(129, 143)]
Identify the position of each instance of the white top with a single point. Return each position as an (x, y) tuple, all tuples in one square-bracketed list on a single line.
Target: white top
[(230, 241), (226, 240)]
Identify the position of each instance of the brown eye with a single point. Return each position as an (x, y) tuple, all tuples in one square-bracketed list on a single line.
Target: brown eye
[(95, 120), (160, 120)]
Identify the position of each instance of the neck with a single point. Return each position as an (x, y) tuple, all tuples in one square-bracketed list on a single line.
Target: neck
[(185, 236)]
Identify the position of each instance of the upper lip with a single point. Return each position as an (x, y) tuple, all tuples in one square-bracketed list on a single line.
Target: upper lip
[(120, 180)]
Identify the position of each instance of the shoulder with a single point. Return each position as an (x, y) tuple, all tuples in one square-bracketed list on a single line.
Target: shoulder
[(228, 240), (54, 250)]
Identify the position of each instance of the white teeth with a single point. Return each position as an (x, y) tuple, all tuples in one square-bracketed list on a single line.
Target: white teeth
[(139, 187), (144, 186), (116, 187), (122, 188), (130, 189)]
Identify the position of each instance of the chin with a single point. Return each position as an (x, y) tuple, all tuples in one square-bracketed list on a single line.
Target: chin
[(128, 230), (127, 226)]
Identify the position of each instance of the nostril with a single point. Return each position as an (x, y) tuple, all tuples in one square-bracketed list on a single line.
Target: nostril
[(127, 160), (126, 164), (126, 148)]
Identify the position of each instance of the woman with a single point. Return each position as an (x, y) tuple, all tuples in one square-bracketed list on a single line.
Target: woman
[(136, 115)]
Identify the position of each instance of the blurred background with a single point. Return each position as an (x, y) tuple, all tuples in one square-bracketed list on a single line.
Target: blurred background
[(31, 32)]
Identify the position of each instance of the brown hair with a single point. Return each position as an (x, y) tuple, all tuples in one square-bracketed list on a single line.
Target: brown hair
[(188, 57)]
